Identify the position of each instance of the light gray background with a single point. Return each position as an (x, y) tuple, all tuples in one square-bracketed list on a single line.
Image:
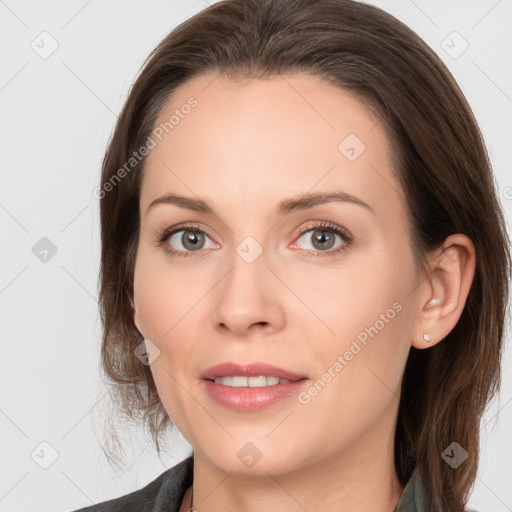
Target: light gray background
[(57, 115)]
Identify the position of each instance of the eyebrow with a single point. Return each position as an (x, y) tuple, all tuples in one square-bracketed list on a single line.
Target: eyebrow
[(301, 202)]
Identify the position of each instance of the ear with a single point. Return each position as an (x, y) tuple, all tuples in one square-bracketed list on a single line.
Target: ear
[(443, 294)]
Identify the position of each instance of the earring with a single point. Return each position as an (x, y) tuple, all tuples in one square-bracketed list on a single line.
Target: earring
[(433, 302), (426, 337)]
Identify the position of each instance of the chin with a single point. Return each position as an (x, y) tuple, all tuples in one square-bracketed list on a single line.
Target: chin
[(249, 458)]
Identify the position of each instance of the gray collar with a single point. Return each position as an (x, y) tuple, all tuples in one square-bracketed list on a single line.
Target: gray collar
[(414, 497)]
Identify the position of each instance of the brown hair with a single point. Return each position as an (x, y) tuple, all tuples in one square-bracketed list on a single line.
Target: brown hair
[(440, 161)]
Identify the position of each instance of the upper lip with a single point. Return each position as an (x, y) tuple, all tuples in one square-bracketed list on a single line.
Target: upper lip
[(249, 370)]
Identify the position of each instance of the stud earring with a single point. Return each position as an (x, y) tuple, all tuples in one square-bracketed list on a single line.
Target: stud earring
[(426, 337), (433, 302)]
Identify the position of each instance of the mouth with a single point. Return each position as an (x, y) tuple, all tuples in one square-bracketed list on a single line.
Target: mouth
[(246, 371), (260, 381), (250, 387)]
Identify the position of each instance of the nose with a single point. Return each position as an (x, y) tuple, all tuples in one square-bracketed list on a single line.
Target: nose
[(249, 299)]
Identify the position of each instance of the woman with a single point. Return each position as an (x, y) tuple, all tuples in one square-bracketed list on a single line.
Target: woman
[(304, 264)]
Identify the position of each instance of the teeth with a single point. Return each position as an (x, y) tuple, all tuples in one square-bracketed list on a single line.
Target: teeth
[(252, 382)]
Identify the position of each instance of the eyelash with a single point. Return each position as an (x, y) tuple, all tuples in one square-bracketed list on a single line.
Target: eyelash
[(344, 234)]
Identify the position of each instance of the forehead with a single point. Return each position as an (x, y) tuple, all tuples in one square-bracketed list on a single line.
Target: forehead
[(268, 138)]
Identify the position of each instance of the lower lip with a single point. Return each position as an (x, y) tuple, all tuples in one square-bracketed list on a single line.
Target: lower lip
[(252, 399)]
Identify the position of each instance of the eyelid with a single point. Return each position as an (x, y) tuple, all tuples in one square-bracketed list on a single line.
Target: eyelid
[(322, 225), (192, 226)]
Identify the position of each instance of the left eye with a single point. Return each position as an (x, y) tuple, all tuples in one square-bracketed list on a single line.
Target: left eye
[(323, 239)]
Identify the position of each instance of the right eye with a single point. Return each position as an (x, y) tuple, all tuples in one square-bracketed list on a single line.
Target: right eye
[(183, 241)]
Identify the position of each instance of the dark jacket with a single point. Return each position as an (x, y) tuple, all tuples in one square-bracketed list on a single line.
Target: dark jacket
[(165, 494)]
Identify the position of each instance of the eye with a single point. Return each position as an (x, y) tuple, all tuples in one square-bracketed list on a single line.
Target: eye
[(185, 240), (323, 236)]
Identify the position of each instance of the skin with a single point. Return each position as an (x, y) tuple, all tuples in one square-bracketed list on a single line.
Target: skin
[(245, 147)]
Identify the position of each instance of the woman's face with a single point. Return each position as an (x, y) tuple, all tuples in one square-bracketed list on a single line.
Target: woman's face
[(264, 276)]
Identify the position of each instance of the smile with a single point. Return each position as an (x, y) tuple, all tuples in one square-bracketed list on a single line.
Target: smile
[(260, 381)]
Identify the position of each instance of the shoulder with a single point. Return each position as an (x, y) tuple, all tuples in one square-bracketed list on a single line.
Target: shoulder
[(166, 490)]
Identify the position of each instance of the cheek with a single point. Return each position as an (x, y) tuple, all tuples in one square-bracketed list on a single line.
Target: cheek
[(168, 304), (362, 321), (358, 371), (343, 300), (163, 314), (162, 294)]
